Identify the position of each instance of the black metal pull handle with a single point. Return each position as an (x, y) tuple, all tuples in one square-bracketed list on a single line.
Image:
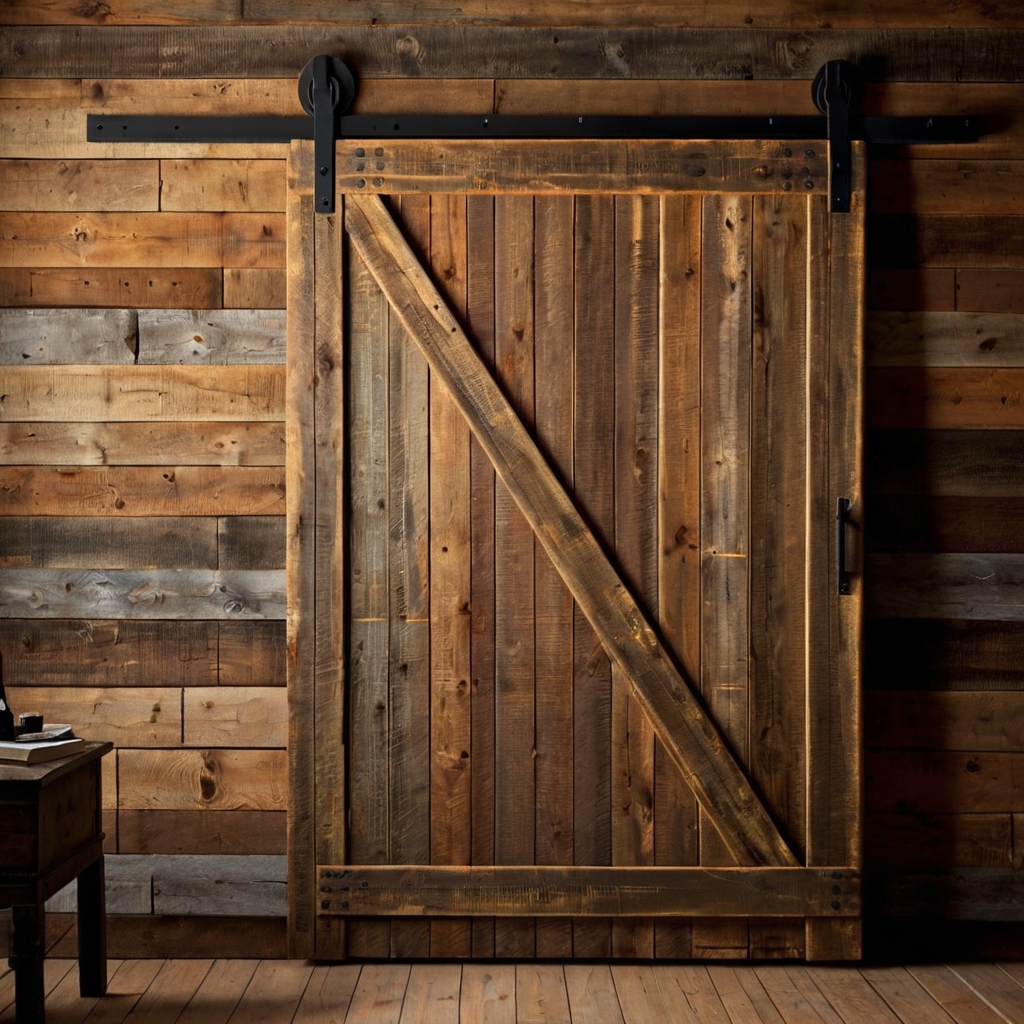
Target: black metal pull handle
[(842, 573)]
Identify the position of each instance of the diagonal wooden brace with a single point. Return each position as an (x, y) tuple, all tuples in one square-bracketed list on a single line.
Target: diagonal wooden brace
[(679, 720)]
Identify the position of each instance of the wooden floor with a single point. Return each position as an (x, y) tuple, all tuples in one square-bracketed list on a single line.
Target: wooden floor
[(283, 991)]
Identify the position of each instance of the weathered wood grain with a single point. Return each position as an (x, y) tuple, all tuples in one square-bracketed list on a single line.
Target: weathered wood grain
[(55, 336), (901, 522), (938, 841), (916, 782), (81, 542), (182, 287), (963, 893), (945, 398), (131, 594), (965, 463), (952, 586), (554, 166), (189, 780), (211, 337), (329, 991), (944, 720), (944, 654), (917, 289), (139, 491), (253, 287), (201, 832), (594, 493), (945, 240), (483, 51), (155, 239), (97, 653), (251, 653), (563, 891), (129, 12), (237, 185), (235, 716), (43, 185), (142, 444), (990, 290), (103, 394), (964, 187), (449, 351), (250, 542), (127, 716), (944, 339), (225, 884)]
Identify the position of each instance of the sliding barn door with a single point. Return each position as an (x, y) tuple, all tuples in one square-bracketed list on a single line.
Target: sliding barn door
[(570, 671)]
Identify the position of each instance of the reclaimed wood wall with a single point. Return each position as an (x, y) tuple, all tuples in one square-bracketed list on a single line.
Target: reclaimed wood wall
[(142, 398)]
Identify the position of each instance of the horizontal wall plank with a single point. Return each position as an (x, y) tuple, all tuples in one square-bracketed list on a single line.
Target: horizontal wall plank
[(51, 185), (236, 716), (246, 288), (584, 166), (901, 522), (193, 832), (155, 239), (380, 51), (252, 780), (914, 289), (126, 716), (990, 290), (725, 13), (104, 394), (252, 653), (83, 542), (61, 336), (410, 890), (941, 397), (128, 594), (938, 841), (943, 654), (969, 463), (231, 886), (141, 491), (940, 240), (922, 720), (953, 586), (915, 782), (238, 185), (251, 542), (946, 186), (944, 339), (211, 336), (178, 287), (142, 444), (100, 653), (961, 893)]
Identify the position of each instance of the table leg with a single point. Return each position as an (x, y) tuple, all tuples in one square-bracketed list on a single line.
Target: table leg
[(92, 930), (29, 950)]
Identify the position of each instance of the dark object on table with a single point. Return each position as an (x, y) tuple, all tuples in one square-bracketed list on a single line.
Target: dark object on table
[(6, 715), (30, 723), (52, 835)]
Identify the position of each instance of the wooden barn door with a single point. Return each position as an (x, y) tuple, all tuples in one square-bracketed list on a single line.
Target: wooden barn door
[(570, 674)]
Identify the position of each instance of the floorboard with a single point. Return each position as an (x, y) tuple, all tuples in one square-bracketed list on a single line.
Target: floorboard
[(197, 991)]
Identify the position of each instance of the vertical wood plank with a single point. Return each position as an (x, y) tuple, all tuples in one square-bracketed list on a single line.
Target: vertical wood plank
[(679, 610), (778, 482), (329, 697), (480, 321), (553, 249), (636, 504), (514, 738), (593, 475), (835, 738), (300, 477), (409, 590), (369, 695), (725, 465), (450, 592)]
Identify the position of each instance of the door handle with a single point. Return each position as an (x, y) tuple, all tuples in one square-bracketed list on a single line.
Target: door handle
[(842, 573)]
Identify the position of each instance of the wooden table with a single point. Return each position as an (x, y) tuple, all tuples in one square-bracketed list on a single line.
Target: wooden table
[(50, 817)]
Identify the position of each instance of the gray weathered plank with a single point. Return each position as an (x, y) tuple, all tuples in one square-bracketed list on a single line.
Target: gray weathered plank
[(61, 336), (250, 542), (130, 594), (211, 336), (895, 338)]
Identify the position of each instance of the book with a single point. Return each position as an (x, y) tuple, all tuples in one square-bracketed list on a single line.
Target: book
[(37, 753)]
